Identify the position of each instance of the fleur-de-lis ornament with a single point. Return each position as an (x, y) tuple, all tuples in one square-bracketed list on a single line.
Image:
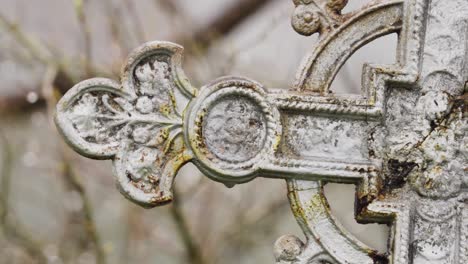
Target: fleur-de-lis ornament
[(137, 124)]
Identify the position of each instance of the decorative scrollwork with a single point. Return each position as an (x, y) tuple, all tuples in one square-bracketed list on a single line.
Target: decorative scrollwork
[(403, 145), (311, 16)]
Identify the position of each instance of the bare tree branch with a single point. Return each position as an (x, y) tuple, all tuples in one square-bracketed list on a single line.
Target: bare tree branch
[(11, 228), (64, 77), (119, 33), (261, 220), (72, 180), (138, 26), (36, 50), (80, 6), (223, 24), (7, 160), (170, 6), (196, 43), (194, 253)]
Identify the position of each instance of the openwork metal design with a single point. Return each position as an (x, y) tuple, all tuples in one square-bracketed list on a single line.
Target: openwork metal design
[(402, 142)]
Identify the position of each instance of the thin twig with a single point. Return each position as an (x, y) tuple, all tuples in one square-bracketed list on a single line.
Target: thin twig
[(11, 228), (201, 40), (194, 253), (7, 160), (222, 25), (40, 51), (118, 30), (177, 17), (71, 179), (138, 26), (74, 182), (119, 41), (64, 78), (80, 6), (36, 50), (248, 220), (170, 6), (127, 230), (254, 42)]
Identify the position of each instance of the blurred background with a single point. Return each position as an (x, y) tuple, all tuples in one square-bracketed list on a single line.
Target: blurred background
[(57, 207)]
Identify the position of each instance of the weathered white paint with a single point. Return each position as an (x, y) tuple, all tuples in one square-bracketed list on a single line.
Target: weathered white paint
[(402, 142)]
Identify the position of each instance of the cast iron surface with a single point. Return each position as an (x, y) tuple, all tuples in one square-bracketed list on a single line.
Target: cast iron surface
[(402, 142)]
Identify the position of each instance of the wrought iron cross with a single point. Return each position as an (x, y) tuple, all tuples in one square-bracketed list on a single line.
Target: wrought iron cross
[(402, 142)]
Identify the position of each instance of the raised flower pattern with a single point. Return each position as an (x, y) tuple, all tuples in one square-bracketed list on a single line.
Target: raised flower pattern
[(137, 124)]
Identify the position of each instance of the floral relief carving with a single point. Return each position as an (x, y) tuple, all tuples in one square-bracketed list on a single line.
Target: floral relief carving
[(154, 79), (138, 125), (402, 143)]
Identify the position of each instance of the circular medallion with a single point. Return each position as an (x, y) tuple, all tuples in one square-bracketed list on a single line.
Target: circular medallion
[(234, 129)]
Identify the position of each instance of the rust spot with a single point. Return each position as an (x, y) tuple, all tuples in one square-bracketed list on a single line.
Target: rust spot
[(397, 174), (461, 103), (378, 258), (360, 205)]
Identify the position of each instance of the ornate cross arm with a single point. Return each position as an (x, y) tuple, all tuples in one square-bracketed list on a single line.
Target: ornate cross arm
[(234, 130), (138, 123), (155, 121)]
